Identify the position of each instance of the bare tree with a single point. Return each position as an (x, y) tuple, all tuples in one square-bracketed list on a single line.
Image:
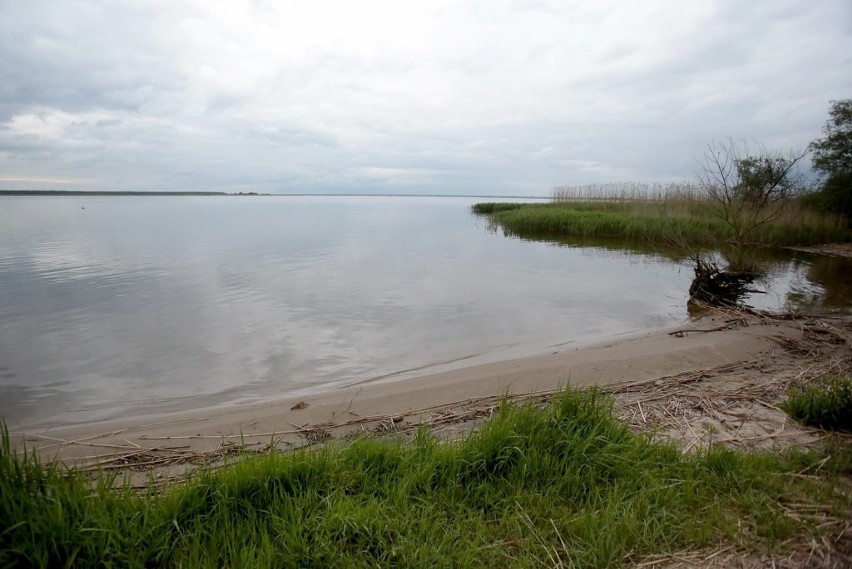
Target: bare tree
[(749, 189)]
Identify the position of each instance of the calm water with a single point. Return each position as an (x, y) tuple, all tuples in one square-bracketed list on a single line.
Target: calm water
[(122, 306)]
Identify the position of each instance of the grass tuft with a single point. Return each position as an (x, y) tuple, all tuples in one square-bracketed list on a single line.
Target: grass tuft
[(826, 405)]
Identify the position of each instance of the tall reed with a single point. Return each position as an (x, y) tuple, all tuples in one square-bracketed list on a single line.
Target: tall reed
[(628, 191)]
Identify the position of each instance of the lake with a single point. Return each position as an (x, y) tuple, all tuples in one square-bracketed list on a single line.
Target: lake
[(118, 306)]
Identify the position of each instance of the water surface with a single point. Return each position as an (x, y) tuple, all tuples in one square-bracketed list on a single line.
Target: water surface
[(124, 306)]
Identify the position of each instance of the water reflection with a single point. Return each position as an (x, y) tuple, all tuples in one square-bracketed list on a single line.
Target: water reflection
[(821, 285), (789, 280), (149, 304)]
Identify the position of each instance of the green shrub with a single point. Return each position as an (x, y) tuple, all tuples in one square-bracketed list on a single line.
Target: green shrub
[(827, 405)]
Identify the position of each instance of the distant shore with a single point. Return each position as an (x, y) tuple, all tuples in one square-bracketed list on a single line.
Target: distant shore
[(110, 193), (293, 195)]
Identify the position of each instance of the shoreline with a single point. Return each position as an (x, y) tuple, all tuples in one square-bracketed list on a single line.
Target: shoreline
[(217, 402), (713, 341)]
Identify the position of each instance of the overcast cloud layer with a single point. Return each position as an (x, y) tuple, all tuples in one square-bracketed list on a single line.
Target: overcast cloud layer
[(492, 97)]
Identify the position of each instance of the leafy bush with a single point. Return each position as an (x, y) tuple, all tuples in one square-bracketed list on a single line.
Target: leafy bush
[(827, 405)]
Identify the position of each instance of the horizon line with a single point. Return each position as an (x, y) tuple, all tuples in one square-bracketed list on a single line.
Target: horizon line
[(252, 194)]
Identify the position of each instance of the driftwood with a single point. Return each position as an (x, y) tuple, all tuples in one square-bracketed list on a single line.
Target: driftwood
[(718, 287)]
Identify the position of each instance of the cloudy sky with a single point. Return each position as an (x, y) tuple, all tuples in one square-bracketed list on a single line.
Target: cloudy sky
[(454, 97)]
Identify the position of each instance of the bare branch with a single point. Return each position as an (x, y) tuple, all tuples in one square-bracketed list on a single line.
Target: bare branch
[(750, 187)]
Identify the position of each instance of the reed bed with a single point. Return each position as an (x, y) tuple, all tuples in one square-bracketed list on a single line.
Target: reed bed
[(554, 483), (628, 191), (677, 213)]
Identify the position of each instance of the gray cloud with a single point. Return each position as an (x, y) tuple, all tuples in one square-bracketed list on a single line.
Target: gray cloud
[(497, 97)]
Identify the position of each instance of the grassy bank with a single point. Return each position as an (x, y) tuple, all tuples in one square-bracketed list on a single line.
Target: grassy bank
[(566, 484), (683, 218)]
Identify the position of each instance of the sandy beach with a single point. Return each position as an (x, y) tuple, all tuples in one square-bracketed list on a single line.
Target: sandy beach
[(727, 343)]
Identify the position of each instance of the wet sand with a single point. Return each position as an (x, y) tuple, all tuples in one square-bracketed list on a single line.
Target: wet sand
[(712, 342)]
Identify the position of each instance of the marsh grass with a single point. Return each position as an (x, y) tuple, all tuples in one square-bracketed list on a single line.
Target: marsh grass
[(563, 485), (677, 213)]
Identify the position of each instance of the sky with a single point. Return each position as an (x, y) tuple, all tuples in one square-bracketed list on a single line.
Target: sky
[(488, 97)]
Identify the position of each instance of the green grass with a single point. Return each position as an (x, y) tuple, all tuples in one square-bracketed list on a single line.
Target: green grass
[(826, 405), (683, 219), (567, 483)]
